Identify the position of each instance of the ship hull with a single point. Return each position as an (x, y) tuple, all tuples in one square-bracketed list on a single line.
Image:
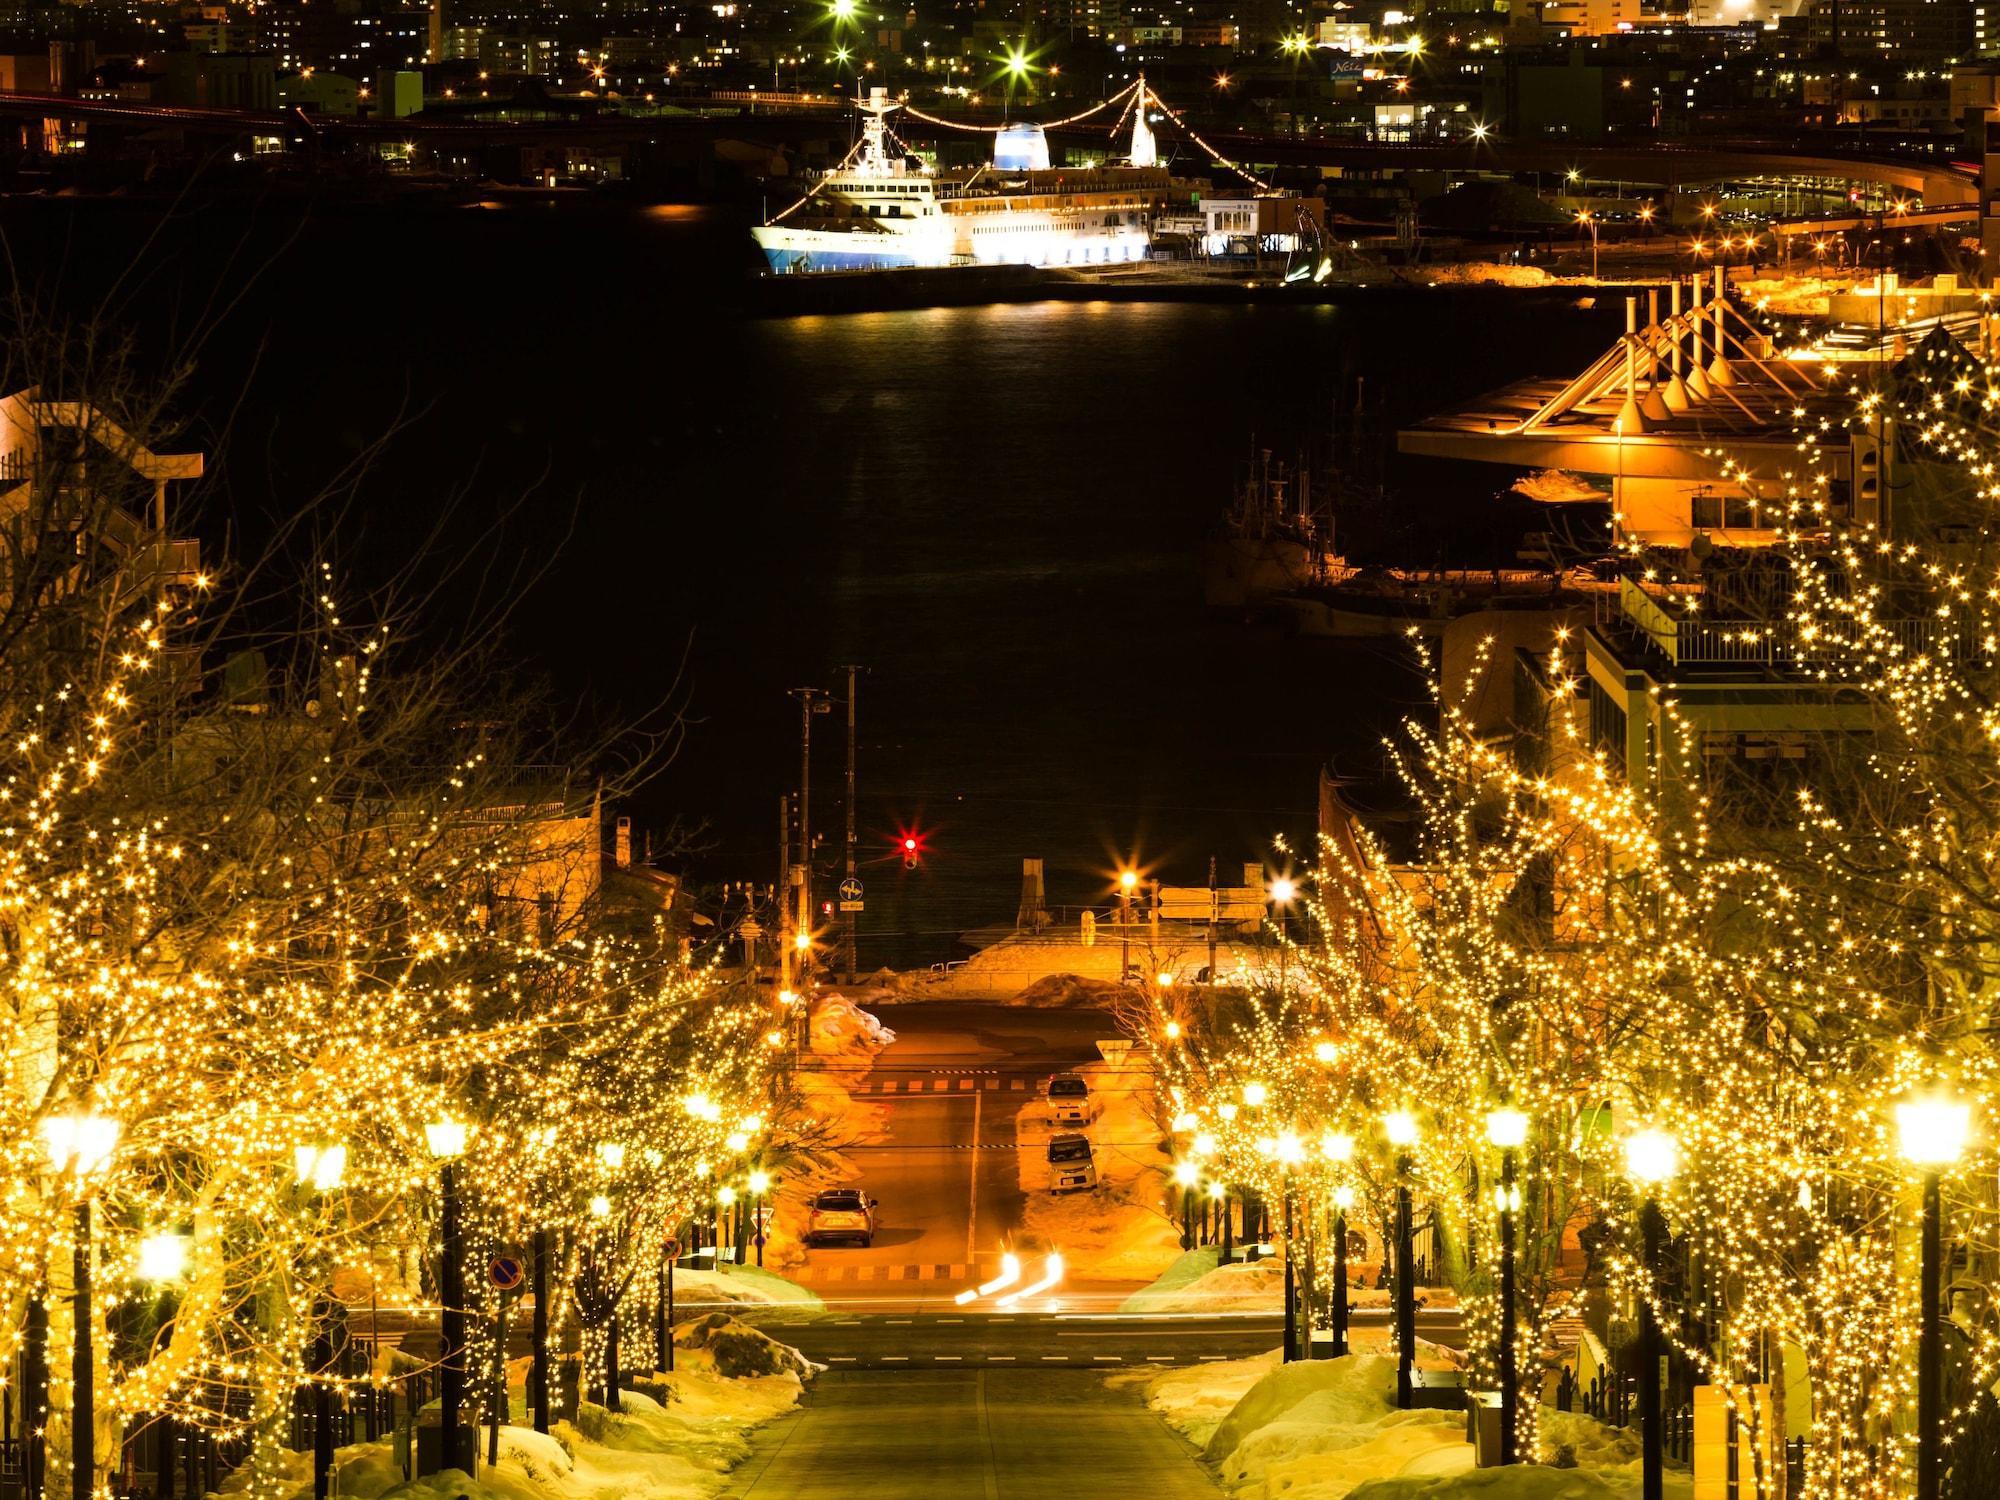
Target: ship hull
[(789, 250), (1240, 570)]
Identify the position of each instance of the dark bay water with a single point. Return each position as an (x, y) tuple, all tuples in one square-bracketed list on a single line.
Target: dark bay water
[(997, 510)]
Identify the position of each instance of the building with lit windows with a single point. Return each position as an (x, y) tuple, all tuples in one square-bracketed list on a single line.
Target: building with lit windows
[(1899, 28)]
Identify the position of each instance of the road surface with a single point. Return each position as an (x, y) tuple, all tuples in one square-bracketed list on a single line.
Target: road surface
[(948, 1177), (845, 1338), (979, 1433)]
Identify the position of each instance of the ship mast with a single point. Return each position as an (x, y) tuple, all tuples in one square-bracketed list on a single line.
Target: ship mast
[(1145, 153), (874, 131)]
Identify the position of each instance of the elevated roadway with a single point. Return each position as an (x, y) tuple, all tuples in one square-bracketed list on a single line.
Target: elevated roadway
[(1660, 163)]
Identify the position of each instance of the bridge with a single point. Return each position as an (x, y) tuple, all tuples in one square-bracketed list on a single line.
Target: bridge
[(1668, 164)]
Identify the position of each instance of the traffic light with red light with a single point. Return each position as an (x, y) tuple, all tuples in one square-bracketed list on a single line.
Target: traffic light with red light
[(909, 852)]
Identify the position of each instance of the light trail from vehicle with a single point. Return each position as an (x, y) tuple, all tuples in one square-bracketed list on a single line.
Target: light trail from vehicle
[(1010, 1272)]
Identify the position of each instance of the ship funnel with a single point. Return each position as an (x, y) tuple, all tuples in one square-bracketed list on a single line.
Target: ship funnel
[(1021, 148)]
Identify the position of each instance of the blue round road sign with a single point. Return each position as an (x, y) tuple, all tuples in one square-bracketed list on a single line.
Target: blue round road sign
[(505, 1272)]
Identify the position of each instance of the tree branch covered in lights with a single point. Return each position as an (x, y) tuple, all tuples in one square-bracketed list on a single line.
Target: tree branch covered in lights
[(1760, 959), (272, 899)]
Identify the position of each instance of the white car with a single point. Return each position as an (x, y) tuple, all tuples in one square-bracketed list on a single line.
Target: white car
[(1069, 1100), (841, 1214), (1071, 1169)]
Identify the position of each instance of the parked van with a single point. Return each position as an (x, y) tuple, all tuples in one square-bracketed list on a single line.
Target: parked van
[(1071, 1169), (1068, 1098)]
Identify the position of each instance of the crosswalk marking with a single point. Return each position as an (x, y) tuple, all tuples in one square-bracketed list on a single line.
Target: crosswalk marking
[(931, 1083), (824, 1274)]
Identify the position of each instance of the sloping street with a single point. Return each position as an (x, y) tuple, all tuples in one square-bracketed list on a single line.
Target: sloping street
[(991, 1434)]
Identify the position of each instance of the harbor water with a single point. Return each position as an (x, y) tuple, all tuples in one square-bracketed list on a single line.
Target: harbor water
[(997, 510)]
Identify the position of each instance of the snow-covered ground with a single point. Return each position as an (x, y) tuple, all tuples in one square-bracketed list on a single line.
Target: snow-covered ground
[(1330, 1430), (681, 1448), (1198, 1283), (740, 1286), (841, 1028), (844, 1040), (1125, 1229)]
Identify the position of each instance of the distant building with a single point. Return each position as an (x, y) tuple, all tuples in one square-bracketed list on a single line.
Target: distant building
[(225, 80), (320, 93), (1893, 28)]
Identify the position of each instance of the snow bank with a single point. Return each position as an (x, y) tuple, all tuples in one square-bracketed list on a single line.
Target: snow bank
[(1125, 1229), (1238, 1287), (741, 1286), (679, 1448), (841, 1028), (1330, 1430), (1197, 1283), (1522, 1482), (1194, 1399)]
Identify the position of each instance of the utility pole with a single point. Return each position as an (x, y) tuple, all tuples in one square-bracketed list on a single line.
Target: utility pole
[(1214, 915), (850, 920), (811, 701), (783, 924)]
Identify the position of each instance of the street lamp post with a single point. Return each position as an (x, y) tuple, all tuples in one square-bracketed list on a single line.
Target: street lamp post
[(1651, 1159), (1931, 1135), (1282, 891), (1291, 1278), (321, 1168), (1343, 1200), (760, 1183), (1589, 220), (1507, 1129), (540, 1373), (1400, 1126), (446, 1139), (607, 1281), (1186, 1175), (1127, 881), (78, 1145)]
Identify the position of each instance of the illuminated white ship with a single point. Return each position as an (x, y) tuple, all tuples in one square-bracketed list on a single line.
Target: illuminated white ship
[(881, 211)]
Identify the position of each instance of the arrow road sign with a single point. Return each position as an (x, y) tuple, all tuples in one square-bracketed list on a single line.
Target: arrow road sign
[(850, 894)]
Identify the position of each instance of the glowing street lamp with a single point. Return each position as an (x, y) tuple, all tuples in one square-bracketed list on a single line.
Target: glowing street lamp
[(446, 1139), (1507, 1129), (1283, 890), (320, 1167), (1652, 1157), (1128, 882), (1187, 1175), (163, 1256), (316, 1169), (1588, 220), (78, 1145), (1931, 1134)]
